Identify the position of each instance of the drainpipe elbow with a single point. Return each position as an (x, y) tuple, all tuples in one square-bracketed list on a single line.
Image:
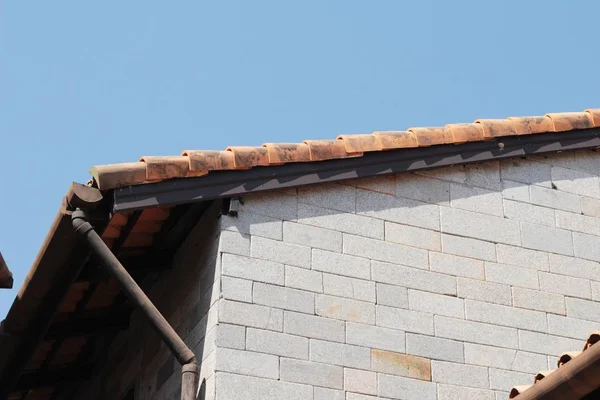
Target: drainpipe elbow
[(80, 222)]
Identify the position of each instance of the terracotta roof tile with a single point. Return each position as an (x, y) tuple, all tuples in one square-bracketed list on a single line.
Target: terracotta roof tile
[(117, 175), (281, 153), (194, 163), (321, 150), (493, 128), (432, 136), (517, 390), (595, 115), (361, 143), (209, 160), (594, 337), (566, 357), (571, 121), (531, 125), (562, 361), (462, 133), (396, 140), (162, 168), (542, 374), (245, 157)]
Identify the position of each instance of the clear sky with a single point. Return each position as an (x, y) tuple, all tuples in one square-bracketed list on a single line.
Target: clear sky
[(85, 83)]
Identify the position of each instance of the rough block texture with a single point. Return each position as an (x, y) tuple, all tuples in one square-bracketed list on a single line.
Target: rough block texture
[(447, 284), (451, 284)]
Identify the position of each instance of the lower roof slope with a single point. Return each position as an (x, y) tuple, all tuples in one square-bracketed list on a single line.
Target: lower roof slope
[(564, 358)]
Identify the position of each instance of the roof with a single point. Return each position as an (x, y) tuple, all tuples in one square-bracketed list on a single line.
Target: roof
[(66, 300), (197, 163), (6, 278), (90, 310), (564, 358)]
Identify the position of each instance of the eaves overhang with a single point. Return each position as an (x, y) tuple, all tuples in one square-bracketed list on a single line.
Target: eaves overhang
[(68, 309), (227, 184)]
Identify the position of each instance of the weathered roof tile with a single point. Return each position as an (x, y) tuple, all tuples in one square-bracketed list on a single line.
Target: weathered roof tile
[(200, 162), (432, 136), (532, 125), (566, 357), (245, 157), (462, 133), (517, 390), (493, 128), (282, 153), (360, 143), (117, 175), (595, 115), (161, 168), (209, 160), (321, 150), (569, 121), (396, 140), (562, 361)]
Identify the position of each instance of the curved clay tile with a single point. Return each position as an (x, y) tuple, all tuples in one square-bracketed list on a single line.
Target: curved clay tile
[(571, 120), (462, 133), (360, 143), (542, 374), (245, 157), (209, 160), (566, 357), (517, 390), (493, 128), (595, 115), (592, 339), (117, 175), (432, 136), (321, 150), (281, 153), (562, 360), (396, 140), (531, 125), (169, 167)]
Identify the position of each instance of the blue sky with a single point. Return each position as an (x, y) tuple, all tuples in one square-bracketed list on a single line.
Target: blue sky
[(85, 83)]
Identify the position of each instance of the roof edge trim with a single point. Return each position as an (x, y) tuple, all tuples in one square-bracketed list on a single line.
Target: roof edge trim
[(225, 184)]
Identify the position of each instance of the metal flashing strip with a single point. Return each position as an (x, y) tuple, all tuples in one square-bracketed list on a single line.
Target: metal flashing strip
[(225, 184)]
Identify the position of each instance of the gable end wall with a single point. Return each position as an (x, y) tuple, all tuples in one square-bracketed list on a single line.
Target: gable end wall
[(448, 284)]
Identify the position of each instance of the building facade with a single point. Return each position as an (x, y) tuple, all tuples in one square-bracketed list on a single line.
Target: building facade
[(449, 263), (448, 284)]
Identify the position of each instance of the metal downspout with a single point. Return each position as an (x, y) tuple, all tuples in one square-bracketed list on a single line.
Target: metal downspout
[(190, 372)]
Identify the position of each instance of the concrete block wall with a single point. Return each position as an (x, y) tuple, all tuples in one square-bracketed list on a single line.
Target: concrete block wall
[(187, 296), (449, 284)]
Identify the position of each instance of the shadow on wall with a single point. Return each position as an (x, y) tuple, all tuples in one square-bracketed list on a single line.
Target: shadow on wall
[(187, 298), (184, 295), (477, 186), (202, 390)]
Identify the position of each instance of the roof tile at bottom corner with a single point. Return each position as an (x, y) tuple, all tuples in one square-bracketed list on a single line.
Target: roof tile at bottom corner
[(562, 361)]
